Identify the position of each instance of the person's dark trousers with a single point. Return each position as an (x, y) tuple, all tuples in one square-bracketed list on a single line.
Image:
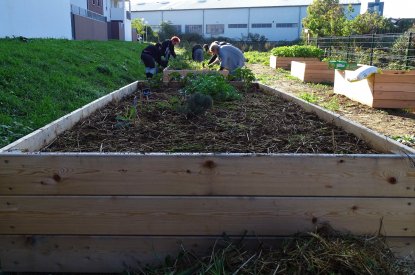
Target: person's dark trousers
[(149, 63)]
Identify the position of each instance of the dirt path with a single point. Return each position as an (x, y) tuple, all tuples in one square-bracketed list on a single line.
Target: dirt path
[(390, 122)]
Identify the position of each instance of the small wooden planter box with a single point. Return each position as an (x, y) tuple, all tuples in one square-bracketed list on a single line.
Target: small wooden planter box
[(106, 212), (285, 62), (389, 89), (167, 72), (312, 71)]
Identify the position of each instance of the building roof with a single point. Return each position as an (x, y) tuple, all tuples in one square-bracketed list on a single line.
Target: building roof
[(156, 5)]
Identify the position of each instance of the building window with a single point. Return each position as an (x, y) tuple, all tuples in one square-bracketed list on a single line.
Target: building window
[(376, 7), (215, 29), (238, 26), (93, 2), (177, 28), (194, 29), (262, 25), (98, 3), (287, 25)]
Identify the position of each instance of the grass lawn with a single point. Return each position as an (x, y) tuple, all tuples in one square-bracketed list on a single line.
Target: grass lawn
[(44, 79)]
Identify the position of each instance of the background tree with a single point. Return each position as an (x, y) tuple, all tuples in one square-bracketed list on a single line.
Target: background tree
[(403, 24), (139, 25), (368, 23), (167, 31), (325, 18)]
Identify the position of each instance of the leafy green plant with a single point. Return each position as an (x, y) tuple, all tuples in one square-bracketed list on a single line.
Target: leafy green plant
[(214, 85), (244, 74), (156, 81), (298, 51), (175, 76)]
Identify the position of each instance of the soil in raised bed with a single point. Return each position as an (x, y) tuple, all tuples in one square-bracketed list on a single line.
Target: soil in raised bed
[(258, 123), (390, 122)]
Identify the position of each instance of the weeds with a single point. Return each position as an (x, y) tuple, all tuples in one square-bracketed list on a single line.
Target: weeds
[(130, 116), (405, 139), (332, 104), (309, 97)]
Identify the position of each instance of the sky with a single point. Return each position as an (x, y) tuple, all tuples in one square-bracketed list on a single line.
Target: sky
[(399, 8)]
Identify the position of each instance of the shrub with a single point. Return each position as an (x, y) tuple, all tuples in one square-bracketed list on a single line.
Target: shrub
[(197, 104), (298, 51), (192, 37)]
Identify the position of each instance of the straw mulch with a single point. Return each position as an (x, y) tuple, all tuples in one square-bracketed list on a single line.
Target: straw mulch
[(324, 251)]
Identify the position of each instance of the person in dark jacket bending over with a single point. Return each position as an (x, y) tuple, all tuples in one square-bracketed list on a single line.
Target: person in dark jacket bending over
[(231, 58), (150, 55), (167, 47), (197, 53)]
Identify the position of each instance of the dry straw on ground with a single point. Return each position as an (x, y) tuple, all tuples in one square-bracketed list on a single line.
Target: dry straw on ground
[(324, 251)]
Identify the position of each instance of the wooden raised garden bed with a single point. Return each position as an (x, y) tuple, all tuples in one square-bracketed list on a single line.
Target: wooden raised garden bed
[(285, 62), (312, 71), (389, 89), (167, 72), (88, 211)]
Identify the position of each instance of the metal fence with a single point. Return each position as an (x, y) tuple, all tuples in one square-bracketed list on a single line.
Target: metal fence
[(261, 45), (87, 13), (387, 51)]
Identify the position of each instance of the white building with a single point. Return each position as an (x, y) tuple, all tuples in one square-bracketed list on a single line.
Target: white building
[(277, 20), (70, 19)]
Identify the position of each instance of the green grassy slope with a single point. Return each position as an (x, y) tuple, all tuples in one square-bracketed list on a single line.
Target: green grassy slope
[(44, 79)]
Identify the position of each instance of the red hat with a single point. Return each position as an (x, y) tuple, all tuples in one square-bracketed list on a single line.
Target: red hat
[(175, 38)]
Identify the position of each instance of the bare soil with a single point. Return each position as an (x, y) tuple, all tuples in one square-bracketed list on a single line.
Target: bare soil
[(390, 122), (259, 122)]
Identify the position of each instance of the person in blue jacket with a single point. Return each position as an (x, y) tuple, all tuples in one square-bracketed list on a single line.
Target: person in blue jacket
[(231, 58)]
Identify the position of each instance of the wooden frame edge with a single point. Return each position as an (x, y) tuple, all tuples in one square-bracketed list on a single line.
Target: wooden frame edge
[(39, 138)]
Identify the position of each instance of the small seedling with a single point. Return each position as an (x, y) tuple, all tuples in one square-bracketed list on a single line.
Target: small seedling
[(130, 116)]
